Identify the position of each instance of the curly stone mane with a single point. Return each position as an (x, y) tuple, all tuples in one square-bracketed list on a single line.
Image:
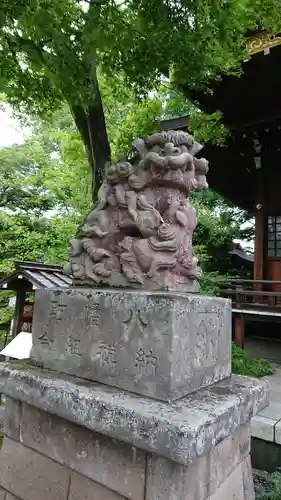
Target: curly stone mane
[(139, 234), (177, 137)]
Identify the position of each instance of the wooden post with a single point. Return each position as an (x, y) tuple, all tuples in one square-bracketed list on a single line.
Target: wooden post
[(239, 330), (20, 300), (259, 225), (259, 245)]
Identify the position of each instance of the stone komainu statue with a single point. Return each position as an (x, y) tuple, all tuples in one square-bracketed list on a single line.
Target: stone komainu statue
[(139, 233)]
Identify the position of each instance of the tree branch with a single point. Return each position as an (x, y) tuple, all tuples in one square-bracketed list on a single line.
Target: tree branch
[(25, 45), (92, 2)]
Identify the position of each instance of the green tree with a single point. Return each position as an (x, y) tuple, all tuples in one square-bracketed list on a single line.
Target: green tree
[(46, 184), (49, 175), (46, 190), (6, 314), (218, 224), (52, 169), (21, 183), (52, 52)]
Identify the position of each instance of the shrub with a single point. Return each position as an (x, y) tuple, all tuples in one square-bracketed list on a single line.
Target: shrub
[(270, 488), (243, 364)]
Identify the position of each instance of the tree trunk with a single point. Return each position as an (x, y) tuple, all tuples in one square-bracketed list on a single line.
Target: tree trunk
[(90, 122)]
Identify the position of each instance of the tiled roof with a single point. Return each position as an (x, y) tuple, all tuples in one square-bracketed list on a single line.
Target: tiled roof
[(39, 275)]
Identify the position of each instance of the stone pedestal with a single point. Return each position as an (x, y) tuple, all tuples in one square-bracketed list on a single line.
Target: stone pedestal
[(66, 438), (74, 436), (162, 345)]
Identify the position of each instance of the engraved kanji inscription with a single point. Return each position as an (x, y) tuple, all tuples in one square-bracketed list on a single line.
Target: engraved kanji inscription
[(139, 315), (207, 338), (95, 314), (107, 354), (92, 313), (45, 340), (73, 346), (57, 310), (146, 362)]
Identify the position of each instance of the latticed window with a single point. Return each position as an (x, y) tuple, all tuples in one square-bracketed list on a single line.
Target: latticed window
[(274, 236)]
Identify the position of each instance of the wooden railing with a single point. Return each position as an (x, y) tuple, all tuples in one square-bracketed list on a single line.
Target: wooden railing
[(253, 294)]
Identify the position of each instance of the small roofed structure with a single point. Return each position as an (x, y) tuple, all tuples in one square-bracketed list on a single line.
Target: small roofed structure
[(28, 277), (241, 254)]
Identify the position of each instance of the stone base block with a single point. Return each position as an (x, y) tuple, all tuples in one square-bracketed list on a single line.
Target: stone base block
[(28, 475), (182, 431), (162, 345), (55, 459), (118, 466), (34, 477)]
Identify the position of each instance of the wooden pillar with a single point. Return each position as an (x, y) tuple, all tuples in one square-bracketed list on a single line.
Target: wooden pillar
[(259, 218), (239, 330), (20, 300), (259, 245)]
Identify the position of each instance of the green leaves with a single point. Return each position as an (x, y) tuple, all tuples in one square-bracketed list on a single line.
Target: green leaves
[(51, 48), (243, 364), (208, 128), (218, 224), (21, 183), (46, 185), (6, 314), (269, 486), (51, 52)]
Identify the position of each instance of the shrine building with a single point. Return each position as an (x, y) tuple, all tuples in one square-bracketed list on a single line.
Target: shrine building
[(247, 171)]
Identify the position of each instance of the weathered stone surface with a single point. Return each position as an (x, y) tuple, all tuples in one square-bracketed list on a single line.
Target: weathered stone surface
[(227, 455), (277, 433), (3, 494), (264, 428), (82, 488), (139, 233), (167, 480), (248, 483), (231, 488), (29, 475), (245, 440), (11, 497), (2, 417), (161, 345), (12, 418), (181, 431), (116, 465)]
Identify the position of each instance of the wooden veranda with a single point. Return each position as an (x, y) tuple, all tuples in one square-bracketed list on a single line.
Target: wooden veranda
[(252, 301)]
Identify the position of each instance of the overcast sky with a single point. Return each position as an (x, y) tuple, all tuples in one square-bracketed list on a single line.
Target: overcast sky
[(11, 131)]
